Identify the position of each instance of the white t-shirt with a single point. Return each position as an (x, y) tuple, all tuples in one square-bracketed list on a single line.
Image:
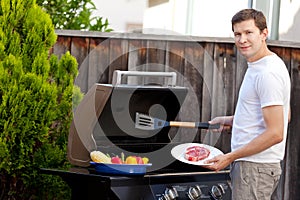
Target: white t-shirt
[(266, 83)]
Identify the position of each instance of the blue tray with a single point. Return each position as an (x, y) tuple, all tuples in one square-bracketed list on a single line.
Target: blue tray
[(121, 169)]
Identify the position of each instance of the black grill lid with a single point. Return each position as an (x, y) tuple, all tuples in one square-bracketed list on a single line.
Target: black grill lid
[(106, 117), (117, 119)]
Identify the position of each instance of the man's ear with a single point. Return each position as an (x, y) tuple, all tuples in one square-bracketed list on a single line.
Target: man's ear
[(265, 33)]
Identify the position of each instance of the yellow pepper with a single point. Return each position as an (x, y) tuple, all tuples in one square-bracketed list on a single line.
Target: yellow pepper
[(145, 160), (131, 160)]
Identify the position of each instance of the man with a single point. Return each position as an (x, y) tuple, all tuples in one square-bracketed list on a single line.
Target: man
[(259, 124)]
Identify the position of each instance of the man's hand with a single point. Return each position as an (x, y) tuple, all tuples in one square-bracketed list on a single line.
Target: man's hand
[(225, 123), (219, 162)]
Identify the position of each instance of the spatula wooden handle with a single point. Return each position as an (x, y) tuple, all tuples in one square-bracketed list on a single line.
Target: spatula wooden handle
[(183, 124), (201, 125)]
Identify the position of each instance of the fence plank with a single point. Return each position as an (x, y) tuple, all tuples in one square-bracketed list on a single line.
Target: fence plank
[(137, 58), (118, 60), (155, 60), (292, 173), (80, 49), (175, 59), (207, 89), (98, 61), (62, 45)]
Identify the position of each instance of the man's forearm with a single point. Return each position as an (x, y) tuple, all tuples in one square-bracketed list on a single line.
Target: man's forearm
[(257, 145)]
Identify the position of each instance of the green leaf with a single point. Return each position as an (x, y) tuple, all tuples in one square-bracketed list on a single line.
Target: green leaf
[(74, 14)]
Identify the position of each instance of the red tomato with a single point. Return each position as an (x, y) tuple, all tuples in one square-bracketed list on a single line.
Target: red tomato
[(139, 160), (116, 160)]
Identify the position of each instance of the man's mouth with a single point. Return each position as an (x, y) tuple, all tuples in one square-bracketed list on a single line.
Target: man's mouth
[(244, 48)]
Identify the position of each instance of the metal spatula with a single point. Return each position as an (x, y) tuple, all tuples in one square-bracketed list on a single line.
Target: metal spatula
[(147, 122)]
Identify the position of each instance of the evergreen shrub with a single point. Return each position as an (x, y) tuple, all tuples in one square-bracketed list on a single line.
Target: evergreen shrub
[(36, 91)]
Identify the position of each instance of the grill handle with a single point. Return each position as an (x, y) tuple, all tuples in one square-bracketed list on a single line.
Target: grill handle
[(117, 76)]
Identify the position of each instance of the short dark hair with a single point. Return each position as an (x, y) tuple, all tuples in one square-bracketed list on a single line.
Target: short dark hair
[(247, 14)]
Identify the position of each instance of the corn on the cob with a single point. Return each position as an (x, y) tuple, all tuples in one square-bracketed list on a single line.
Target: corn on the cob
[(99, 157)]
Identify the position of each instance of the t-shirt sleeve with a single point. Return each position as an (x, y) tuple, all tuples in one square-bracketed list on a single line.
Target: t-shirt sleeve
[(270, 87)]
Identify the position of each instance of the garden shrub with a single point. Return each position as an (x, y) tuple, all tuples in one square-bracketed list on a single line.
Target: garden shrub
[(36, 91)]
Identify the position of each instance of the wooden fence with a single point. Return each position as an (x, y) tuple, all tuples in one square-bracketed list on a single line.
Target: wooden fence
[(211, 68)]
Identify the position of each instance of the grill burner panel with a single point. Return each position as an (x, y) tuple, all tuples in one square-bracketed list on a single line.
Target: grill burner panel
[(192, 186), (87, 185)]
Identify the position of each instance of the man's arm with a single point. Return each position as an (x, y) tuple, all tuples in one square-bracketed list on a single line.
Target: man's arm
[(273, 117)]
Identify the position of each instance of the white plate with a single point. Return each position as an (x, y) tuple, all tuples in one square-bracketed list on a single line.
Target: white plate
[(179, 151)]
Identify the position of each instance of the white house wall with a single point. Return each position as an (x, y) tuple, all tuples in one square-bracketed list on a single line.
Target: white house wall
[(289, 22), (122, 14), (212, 17), (192, 17)]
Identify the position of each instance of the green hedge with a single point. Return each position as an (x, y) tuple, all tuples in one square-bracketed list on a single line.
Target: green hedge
[(36, 92)]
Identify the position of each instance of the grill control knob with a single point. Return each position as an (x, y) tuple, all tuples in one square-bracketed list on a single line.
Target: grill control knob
[(221, 187), (164, 197), (217, 191), (194, 192), (171, 192)]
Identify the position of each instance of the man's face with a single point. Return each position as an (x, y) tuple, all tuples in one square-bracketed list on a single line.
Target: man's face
[(249, 40)]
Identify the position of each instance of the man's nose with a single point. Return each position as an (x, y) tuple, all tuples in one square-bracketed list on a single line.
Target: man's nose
[(243, 38)]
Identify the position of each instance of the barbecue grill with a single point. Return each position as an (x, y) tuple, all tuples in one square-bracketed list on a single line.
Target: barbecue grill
[(105, 121)]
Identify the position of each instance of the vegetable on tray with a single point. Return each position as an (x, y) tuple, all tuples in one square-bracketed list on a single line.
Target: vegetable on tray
[(100, 157)]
